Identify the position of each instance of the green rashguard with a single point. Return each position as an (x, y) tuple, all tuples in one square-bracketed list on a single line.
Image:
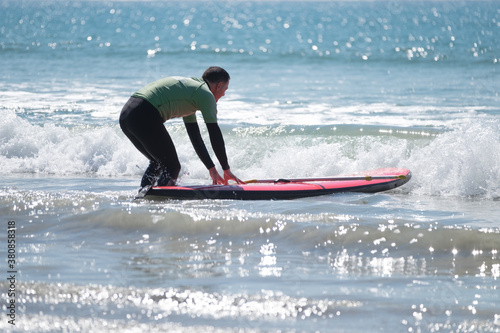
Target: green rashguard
[(177, 97)]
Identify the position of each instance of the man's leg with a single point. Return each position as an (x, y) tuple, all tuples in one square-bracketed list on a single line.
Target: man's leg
[(143, 125), (151, 174)]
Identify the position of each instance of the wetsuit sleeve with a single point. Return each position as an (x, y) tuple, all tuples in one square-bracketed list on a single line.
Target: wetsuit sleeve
[(218, 144), (199, 146)]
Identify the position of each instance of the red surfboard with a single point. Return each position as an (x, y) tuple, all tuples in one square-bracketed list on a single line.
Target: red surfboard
[(280, 189)]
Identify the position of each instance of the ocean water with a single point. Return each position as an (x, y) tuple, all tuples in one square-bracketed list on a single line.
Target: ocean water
[(317, 89)]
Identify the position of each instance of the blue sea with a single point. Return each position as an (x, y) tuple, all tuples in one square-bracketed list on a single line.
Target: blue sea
[(318, 88)]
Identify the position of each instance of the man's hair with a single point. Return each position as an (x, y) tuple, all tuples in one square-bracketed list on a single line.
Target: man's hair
[(216, 74)]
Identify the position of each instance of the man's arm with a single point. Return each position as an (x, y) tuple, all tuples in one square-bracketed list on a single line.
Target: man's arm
[(193, 131), (218, 145), (219, 148)]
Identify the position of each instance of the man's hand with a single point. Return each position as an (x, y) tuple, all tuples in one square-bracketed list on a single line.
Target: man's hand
[(228, 175), (216, 178)]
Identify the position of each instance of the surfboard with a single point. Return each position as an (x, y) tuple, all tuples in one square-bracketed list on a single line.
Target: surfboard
[(282, 189)]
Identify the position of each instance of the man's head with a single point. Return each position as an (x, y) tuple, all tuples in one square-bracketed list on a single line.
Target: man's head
[(218, 81)]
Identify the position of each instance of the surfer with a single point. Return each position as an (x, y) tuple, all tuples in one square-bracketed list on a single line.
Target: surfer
[(143, 115)]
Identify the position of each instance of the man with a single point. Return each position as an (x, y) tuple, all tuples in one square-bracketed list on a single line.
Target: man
[(145, 112)]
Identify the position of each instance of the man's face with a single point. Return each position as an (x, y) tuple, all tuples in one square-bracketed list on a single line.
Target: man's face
[(219, 90)]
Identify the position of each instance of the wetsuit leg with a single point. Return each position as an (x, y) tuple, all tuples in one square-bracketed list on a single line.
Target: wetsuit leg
[(151, 174), (143, 125)]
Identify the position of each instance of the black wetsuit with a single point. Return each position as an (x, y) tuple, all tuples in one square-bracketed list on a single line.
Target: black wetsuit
[(143, 125)]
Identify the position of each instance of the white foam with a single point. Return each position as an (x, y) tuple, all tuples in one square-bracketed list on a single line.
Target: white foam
[(459, 162), (51, 149), (462, 162)]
